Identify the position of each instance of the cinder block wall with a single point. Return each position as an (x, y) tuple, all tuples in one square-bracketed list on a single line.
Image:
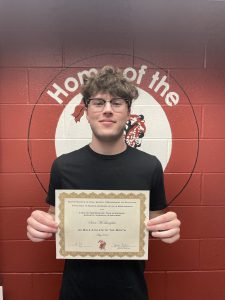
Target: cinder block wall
[(194, 267)]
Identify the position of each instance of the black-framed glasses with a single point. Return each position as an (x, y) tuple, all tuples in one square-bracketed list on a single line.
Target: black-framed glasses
[(98, 104)]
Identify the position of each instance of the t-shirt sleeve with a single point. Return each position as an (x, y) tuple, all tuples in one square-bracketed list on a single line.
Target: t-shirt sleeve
[(54, 183), (157, 193)]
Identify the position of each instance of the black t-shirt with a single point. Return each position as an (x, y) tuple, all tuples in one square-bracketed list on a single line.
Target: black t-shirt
[(85, 169)]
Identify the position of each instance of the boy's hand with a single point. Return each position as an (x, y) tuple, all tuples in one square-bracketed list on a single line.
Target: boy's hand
[(165, 227), (40, 226)]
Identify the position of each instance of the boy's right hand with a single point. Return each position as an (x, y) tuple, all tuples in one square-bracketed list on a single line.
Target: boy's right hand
[(41, 226)]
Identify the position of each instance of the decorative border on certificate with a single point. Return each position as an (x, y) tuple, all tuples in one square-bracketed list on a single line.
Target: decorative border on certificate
[(102, 206)]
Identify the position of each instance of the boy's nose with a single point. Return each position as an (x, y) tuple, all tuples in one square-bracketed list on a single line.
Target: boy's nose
[(107, 107)]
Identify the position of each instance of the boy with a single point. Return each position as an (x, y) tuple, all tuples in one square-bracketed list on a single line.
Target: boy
[(107, 163)]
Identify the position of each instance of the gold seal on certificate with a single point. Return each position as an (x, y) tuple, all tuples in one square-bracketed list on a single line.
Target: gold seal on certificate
[(102, 224)]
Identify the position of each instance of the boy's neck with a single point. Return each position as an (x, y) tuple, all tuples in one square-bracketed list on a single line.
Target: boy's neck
[(108, 148)]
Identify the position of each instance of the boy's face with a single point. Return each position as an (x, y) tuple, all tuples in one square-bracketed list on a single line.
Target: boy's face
[(107, 123)]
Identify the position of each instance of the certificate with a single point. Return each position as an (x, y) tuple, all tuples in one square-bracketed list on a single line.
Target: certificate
[(102, 224)]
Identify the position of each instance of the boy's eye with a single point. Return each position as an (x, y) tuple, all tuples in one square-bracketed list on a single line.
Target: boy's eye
[(98, 102), (116, 103)]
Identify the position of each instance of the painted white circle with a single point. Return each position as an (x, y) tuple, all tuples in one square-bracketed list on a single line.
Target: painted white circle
[(157, 140)]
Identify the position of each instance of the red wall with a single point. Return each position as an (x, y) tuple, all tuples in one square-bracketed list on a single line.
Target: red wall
[(194, 267)]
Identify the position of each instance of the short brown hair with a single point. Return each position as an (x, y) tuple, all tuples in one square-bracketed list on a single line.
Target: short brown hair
[(109, 80)]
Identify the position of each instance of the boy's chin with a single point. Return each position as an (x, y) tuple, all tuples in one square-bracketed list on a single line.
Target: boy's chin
[(109, 137)]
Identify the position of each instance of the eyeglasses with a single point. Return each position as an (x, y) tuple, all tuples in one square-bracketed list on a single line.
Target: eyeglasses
[(98, 104)]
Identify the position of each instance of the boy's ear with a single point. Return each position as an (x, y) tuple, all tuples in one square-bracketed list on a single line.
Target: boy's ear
[(128, 114), (86, 113)]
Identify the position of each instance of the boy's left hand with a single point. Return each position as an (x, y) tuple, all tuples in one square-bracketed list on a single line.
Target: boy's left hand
[(165, 227)]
